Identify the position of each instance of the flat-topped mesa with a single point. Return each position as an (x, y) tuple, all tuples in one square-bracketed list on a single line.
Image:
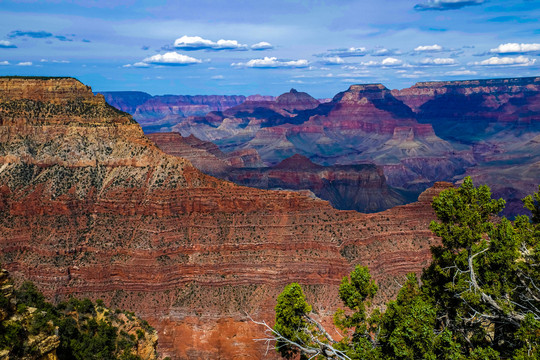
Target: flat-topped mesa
[(41, 101), (481, 82), (422, 92)]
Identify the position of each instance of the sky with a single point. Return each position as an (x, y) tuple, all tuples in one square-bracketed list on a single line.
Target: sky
[(266, 47)]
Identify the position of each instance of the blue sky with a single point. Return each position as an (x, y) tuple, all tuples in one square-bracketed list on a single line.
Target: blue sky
[(266, 47)]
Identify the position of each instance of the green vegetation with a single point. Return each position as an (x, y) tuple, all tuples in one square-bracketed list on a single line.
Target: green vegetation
[(79, 328), (479, 298)]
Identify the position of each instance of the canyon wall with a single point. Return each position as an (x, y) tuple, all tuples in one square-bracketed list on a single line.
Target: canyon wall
[(91, 207)]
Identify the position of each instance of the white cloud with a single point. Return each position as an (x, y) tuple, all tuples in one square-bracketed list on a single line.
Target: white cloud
[(390, 61), (6, 44), (517, 61), (198, 43), (272, 62), (460, 72), (217, 77), (4, 63), (515, 48), (333, 60), (25, 63), (139, 64), (263, 45), (371, 63), (434, 47), (438, 61), (170, 58), (387, 62)]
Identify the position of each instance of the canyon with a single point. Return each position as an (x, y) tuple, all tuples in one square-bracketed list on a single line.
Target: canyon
[(161, 112), (90, 207), (360, 187), (432, 131)]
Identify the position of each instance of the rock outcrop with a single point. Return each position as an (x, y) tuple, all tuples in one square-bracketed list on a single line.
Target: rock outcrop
[(90, 207)]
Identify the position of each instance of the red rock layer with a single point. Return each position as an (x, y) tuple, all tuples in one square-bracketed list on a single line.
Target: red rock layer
[(99, 211)]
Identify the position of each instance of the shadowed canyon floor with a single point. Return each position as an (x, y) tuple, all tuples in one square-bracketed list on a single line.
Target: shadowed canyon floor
[(91, 207)]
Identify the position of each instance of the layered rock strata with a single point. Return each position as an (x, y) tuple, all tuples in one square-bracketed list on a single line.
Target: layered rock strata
[(90, 207), (347, 187)]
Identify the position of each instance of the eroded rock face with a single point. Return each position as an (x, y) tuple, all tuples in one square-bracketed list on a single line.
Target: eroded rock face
[(474, 110), (347, 187), (498, 118), (100, 211), (366, 123)]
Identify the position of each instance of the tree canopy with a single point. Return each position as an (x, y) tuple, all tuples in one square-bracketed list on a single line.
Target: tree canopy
[(479, 298)]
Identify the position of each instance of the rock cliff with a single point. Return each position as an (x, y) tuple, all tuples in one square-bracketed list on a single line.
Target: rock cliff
[(91, 207)]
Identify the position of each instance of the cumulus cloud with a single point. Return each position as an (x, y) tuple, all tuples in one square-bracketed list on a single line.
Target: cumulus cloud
[(168, 59), (390, 61), (429, 48), (4, 63), (25, 63), (333, 60), (263, 45), (345, 52), (172, 59), (387, 62), (505, 61), (217, 77), (4, 44), (272, 62), (515, 48), (438, 61), (198, 43), (442, 5)]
